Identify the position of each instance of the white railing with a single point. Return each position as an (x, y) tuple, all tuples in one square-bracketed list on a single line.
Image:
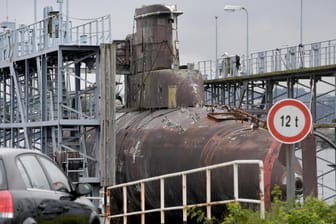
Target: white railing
[(48, 33), (184, 206), (280, 59)]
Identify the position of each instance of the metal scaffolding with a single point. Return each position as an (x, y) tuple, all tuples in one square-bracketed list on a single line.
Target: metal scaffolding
[(49, 91)]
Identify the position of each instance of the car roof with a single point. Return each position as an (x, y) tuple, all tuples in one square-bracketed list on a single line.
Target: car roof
[(17, 150), (12, 152), (8, 156)]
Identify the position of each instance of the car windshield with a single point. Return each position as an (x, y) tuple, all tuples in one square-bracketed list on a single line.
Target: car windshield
[(2, 176)]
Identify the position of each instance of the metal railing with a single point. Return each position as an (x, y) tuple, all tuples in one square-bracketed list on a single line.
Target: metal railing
[(162, 209), (48, 33), (280, 59)]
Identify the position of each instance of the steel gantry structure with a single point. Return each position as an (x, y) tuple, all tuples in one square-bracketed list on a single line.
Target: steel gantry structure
[(304, 72), (50, 92)]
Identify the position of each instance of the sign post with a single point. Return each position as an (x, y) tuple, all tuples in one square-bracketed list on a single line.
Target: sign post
[(289, 121)]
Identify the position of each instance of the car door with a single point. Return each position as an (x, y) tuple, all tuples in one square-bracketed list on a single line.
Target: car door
[(72, 211), (51, 191)]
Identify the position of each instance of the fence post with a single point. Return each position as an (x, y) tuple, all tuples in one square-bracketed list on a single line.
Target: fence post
[(125, 204), (184, 197), (262, 192), (162, 199), (208, 192), (142, 185), (235, 181)]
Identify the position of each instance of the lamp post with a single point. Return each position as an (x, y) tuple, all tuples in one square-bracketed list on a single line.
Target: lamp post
[(35, 12), (233, 8), (301, 28), (216, 64), (301, 50)]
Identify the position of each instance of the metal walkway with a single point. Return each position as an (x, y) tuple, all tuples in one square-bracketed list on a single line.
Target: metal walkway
[(305, 72)]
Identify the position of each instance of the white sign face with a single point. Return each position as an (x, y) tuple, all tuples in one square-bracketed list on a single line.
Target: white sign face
[(289, 121)]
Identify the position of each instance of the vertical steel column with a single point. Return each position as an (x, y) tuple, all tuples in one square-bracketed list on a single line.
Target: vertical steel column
[(25, 103), (212, 93), (97, 108), (107, 117), (44, 103), (11, 110), (59, 87), (243, 93), (235, 95), (253, 94), (22, 111), (269, 94), (313, 82), (43, 91), (222, 86), (77, 88), (249, 94), (217, 94)]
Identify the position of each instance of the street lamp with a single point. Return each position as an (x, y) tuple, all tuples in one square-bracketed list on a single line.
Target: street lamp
[(301, 29), (216, 18), (233, 8), (35, 12), (301, 51)]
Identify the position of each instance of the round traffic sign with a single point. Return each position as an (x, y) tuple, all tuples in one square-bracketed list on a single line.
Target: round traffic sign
[(289, 121)]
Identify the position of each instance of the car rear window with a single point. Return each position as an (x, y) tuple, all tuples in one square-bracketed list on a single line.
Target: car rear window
[(3, 182)]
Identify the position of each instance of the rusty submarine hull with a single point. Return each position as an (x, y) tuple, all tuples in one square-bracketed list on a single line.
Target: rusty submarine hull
[(172, 134), (166, 141)]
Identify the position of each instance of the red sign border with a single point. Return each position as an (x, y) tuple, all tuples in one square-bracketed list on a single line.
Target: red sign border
[(292, 139)]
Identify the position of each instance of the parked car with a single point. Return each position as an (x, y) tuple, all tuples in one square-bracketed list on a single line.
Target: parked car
[(34, 190)]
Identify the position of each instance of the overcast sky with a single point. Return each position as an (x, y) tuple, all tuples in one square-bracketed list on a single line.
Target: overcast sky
[(272, 23)]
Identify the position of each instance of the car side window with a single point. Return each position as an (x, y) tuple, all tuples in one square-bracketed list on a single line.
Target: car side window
[(35, 172), (59, 182)]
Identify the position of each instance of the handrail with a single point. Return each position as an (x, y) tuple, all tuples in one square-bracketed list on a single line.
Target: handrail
[(185, 206), (280, 59), (51, 32)]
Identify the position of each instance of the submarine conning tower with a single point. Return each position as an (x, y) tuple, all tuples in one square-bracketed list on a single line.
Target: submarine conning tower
[(156, 79), (155, 42)]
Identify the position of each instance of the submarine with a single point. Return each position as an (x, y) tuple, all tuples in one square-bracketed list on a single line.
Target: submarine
[(166, 127)]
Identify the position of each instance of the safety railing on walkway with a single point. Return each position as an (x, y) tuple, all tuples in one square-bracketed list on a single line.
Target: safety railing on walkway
[(51, 32), (163, 208), (280, 59)]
